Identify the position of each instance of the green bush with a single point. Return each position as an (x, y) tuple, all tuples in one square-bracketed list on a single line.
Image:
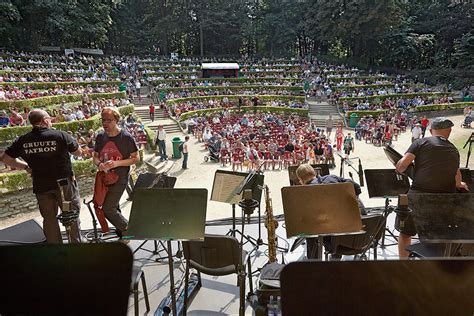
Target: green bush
[(264, 109), (233, 88), (23, 63), (49, 73), (370, 86), (47, 85), (421, 108), (395, 95), (50, 100), (240, 79), (150, 137), (19, 180), (8, 134), (368, 77), (236, 98)]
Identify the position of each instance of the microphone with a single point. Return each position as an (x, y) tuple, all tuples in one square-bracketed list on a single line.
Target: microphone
[(361, 174)]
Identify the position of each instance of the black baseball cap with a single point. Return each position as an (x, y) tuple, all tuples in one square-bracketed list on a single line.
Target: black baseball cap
[(441, 123)]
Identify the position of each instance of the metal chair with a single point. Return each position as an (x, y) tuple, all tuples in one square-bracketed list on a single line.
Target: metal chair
[(137, 275), (218, 255), (357, 245)]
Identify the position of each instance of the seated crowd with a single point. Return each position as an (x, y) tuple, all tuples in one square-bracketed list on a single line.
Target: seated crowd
[(12, 92), (405, 103), (276, 141), (382, 129), (176, 110)]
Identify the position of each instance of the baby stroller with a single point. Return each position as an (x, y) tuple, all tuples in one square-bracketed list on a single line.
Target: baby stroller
[(467, 122), (213, 155)]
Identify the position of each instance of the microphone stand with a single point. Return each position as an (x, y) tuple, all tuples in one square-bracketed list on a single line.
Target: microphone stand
[(469, 141)]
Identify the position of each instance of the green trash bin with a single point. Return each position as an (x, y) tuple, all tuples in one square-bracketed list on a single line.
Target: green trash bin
[(353, 120), (176, 141), (122, 87)]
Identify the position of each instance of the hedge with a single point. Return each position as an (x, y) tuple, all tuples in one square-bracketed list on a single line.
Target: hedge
[(395, 95), (341, 71), (45, 101), (371, 86), (24, 63), (421, 108), (220, 88), (266, 109), (240, 79), (236, 98), (56, 73), (19, 180), (47, 85), (360, 77), (8, 134)]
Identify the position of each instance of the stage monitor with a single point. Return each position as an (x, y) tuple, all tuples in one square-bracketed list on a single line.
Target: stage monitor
[(386, 183), (398, 287), (77, 279), (319, 169)]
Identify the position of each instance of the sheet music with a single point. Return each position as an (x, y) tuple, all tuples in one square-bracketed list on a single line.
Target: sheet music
[(226, 187)]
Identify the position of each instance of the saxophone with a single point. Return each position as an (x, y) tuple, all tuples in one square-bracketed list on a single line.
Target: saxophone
[(271, 225)]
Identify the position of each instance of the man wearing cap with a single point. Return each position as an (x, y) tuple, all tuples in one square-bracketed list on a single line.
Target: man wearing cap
[(436, 171)]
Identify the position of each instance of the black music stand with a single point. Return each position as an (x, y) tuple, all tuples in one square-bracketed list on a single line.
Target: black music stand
[(72, 279), (320, 170), (168, 214), (321, 210), (386, 183), (228, 187), (26, 233), (392, 287), (446, 218), (155, 181)]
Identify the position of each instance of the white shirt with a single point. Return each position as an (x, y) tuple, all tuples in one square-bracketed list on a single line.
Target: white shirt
[(416, 132), (161, 135)]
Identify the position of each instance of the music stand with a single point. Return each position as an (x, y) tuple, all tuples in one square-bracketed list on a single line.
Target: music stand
[(386, 183), (155, 181), (443, 218), (228, 187), (321, 210), (320, 170), (168, 214), (392, 287), (72, 279)]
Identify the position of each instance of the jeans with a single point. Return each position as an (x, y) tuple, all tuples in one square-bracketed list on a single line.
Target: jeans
[(49, 202), (152, 116), (185, 160), (162, 149)]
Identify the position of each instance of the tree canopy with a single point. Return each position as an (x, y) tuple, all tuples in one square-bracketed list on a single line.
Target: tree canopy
[(399, 33)]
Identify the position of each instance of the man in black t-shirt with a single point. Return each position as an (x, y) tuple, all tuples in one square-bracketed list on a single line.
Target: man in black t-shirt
[(45, 153), (436, 171), (115, 149)]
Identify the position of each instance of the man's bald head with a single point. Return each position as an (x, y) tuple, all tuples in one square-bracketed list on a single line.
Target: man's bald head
[(36, 116)]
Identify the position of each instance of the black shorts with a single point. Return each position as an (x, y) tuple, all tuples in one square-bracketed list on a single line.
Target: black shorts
[(406, 226)]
